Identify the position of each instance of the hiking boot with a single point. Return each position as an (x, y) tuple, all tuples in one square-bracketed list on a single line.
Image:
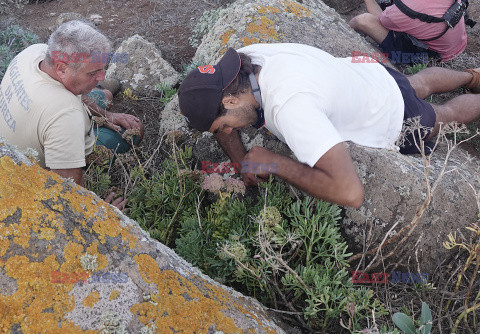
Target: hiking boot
[(474, 85), (112, 84)]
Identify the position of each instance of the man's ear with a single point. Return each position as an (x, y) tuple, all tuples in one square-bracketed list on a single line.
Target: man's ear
[(230, 102), (61, 69)]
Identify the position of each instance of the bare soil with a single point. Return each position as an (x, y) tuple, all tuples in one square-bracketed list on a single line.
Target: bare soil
[(168, 24)]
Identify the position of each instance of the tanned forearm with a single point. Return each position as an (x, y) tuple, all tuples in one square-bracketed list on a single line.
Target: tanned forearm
[(232, 145), (74, 173), (333, 178), (317, 183)]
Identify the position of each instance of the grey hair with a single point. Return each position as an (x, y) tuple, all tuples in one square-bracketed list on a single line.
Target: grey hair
[(76, 37)]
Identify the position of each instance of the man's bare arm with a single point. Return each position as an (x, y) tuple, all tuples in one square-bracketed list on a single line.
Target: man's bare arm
[(333, 178), (77, 175), (232, 145), (74, 173)]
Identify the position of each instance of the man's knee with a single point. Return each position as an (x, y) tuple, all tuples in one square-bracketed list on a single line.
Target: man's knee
[(362, 22), (370, 25)]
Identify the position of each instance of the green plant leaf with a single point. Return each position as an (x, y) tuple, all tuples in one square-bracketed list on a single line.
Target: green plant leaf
[(404, 323), (426, 319)]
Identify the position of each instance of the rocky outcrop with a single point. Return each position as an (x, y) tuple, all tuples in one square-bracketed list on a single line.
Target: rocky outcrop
[(273, 21), (70, 262), (395, 185), (139, 65), (66, 17), (396, 189)]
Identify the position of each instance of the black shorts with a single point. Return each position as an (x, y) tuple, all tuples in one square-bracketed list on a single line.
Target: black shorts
[(401, 49), (414, 107)]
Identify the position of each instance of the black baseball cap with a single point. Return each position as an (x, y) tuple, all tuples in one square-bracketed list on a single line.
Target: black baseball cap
[(200, 93)]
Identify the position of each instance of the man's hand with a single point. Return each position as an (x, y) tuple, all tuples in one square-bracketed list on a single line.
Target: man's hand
[(126, 121), (257, 165), (119, 202)]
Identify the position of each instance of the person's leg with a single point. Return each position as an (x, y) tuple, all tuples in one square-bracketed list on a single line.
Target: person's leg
[(462, 109), (438, 80), (108, 137), (101, 97), (370, 25)]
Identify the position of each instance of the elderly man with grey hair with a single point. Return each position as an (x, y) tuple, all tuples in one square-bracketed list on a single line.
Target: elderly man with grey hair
[(41, 99)]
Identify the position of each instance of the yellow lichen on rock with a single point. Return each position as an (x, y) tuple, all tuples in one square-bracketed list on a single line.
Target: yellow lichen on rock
[(296, 9), (91, 299), (249, 40), (114, 294), (78, 236), (102, 260), (46, 233), (36, 209), (226, 36), (72, 253), (267, 9), (263, 26), (180, 305), (38, 305)]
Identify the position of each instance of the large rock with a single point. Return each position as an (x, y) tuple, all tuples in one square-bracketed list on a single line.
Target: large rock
[(273, 21), (394, 184), (54, 233), (396, 189), (139, 65)]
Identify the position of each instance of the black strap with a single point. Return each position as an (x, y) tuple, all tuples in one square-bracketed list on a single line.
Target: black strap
[(422, 17), (416, 15)]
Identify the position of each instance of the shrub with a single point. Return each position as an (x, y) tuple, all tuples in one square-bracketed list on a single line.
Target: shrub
[(288, 254), (13, 40), (159, 201)]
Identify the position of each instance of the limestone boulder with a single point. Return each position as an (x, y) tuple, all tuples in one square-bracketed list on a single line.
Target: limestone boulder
[(139, 65), (71, 263), (396, 189), (280, 21)]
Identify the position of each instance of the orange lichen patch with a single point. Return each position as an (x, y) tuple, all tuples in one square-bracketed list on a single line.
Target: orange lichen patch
[(267, 9), (296, 9), (102, 260), (247, 40), (114, 294), (46, 233), (34, 202), (38, 304), (4, 244), (104, 229), (264, 27), (91, 299), (78, 236), (72, 253), (179, 305), (226, 36)]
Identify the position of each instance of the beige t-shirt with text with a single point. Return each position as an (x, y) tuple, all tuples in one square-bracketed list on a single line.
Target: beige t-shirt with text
[(38, 112)]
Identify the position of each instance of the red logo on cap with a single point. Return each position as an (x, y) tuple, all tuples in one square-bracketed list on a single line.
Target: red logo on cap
[(208, 69)]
